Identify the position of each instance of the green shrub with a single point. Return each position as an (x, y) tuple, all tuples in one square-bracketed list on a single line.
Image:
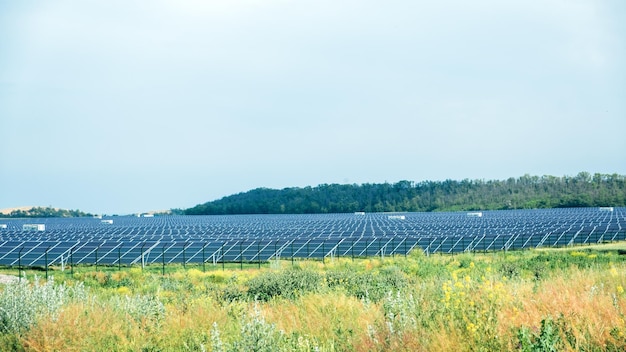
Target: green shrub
[(290, 284), (368, 285), (230, 293), (143, 309), (548, 338), (21, 303), (400, 312), (258, 335)]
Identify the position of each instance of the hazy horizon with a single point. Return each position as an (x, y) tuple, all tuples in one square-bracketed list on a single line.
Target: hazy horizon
[(121, 107)]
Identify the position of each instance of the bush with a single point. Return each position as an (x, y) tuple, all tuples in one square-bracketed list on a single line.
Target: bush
[(548, 338), (258, 335), (289, 284), (143, 309), (21, 304), (368, 285)]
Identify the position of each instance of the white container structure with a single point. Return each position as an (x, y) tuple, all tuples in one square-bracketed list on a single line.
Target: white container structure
[(106, 221), (3, 226), (34, 227), (396, 217), (475, 214), (606, 208)]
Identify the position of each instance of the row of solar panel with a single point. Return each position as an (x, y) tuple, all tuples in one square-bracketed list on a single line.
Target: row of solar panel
[(130, 240), (40, 253), (327, 221), (366, 227)]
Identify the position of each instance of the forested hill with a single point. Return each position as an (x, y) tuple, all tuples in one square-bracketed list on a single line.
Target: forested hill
[(526, 192)]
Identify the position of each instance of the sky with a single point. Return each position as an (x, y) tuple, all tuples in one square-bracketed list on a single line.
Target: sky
[(125, 106)]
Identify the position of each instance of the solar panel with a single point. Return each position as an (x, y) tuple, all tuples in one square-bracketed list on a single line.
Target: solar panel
[(255, 238)]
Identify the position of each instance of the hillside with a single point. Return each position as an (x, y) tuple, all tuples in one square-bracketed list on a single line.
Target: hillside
[(525, 192), (7, 211)]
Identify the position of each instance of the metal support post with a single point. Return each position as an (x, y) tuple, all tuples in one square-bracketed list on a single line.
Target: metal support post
[(47, 249), (19, 263), (163, 260), (203, 259)]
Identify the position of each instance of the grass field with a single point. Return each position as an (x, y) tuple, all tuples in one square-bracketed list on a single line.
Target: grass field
[(540, 300)]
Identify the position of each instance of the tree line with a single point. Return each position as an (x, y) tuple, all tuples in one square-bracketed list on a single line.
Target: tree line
[(44, 212), (525, 192)]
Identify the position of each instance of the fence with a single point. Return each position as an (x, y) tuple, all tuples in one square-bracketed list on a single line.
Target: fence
[(246, 251)]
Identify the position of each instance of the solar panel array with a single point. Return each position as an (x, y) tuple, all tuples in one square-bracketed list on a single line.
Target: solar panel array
[(254, 238)]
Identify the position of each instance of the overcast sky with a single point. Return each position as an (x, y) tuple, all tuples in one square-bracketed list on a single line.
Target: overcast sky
[(126, 106)]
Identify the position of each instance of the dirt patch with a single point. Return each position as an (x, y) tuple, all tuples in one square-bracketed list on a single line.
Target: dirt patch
[(8, 211)]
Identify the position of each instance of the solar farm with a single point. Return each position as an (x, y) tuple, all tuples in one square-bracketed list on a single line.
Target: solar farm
[(130, 240)]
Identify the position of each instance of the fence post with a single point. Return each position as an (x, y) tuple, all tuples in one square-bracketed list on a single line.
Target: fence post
[(258, 253), (47, 249), (97, 258), (19, 263), (163, 259), (185, 254), (119, 258), (352, 249), (506, 248), (430, 243), (324, 252), (474, 244), (405, 252), (203, 259), (240, 256), (222, 255), (184, 259), (275, 251), (142, 256)]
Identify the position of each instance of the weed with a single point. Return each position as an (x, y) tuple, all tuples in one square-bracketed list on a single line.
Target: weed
[(22, 304), (143, 309), (260, 336), (547, 339), (289, 284)]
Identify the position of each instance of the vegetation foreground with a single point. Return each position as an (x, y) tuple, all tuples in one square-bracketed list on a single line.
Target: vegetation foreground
[(515, 301)]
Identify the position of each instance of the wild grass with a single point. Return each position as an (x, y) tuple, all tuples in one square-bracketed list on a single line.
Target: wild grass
[(516, 301)]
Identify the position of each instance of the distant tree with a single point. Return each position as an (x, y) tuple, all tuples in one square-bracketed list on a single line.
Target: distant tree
[(47, 212), (524, 192)]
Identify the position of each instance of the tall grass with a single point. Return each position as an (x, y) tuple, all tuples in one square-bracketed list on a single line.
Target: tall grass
[(516, 301)]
